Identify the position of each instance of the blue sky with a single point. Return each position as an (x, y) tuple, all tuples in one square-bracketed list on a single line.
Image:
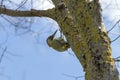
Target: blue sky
[(27, 55)]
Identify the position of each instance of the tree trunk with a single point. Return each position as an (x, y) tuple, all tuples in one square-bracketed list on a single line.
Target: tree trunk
[(81, 23)]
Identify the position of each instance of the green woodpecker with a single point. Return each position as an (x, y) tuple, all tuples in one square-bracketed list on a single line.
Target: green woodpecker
[(58, 44)]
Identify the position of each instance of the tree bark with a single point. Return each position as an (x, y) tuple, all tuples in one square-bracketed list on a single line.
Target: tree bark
[(84, 29), (81, 23), (30, 13)]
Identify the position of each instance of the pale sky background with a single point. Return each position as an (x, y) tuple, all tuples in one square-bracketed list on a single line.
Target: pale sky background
[(27, 55)]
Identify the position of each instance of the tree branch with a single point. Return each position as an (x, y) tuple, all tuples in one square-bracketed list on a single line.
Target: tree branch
[(31, 13)]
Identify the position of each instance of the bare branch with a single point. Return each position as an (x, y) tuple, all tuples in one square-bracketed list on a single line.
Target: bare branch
[(22, 3), (31, 13), (76, 77), (11, 22), (1, 3), (13, 3), (116, 38), (117, 59), (114, 26), (31, 4), (1, 25), (2, 55)]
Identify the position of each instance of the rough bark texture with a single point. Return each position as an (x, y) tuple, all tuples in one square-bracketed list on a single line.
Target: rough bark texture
[(81, 23)]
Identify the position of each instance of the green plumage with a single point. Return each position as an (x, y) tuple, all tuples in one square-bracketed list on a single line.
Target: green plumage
[(58, 44)]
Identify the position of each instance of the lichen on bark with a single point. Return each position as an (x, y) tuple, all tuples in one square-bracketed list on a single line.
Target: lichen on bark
[(88, 38)]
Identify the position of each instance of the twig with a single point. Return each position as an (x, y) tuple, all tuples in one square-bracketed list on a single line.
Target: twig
[(115, 39), (13, 3), (1, 3), (114, 26), (3, 53), (11, 22), (70, 53), (22, 3), (76, 77), (117, 59)]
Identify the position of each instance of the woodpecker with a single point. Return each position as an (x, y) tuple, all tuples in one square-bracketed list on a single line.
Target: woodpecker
[(58, 44)]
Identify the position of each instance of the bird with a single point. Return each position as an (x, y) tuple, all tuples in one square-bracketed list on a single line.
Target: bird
[(59, 44)]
